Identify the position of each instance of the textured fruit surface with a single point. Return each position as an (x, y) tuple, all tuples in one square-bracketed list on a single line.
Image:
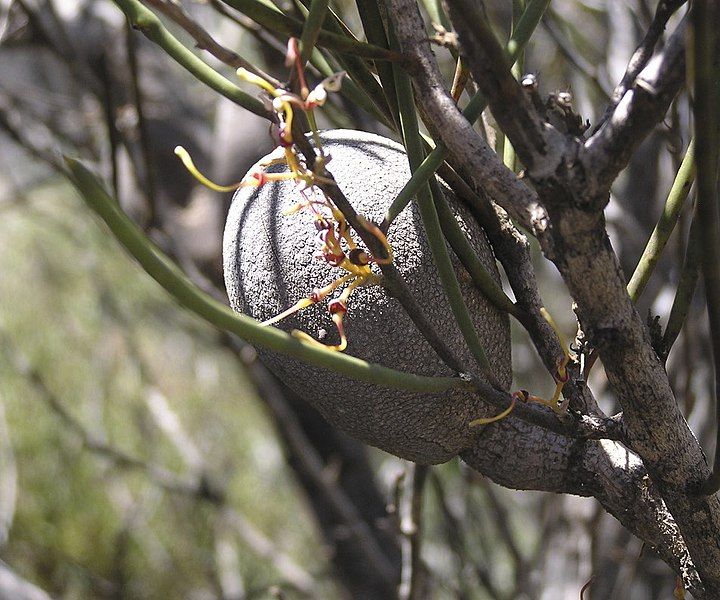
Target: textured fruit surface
[(269, 265)]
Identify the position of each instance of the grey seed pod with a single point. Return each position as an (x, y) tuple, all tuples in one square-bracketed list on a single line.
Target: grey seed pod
[(269, 265)]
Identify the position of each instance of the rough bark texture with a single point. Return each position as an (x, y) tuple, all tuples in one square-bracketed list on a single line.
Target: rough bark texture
[(570, 180)]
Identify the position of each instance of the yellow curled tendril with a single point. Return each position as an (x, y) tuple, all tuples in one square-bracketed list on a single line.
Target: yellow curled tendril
[(190, 166), (246, 75), (502, 415), (561, 370), (318, 296), (375, 230), (283, 104)]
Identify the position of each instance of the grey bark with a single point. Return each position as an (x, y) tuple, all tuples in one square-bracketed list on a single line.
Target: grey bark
[(571, 180)]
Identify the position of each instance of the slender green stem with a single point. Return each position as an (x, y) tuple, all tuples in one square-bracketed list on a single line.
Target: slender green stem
[(686, 287), (368, 85), (431, 222), (469, 258), (272, 19), (375, 32), (419, 178), (311, 28), (665, 225), (518, 7), (361, 87), (176, 283), (349, 89), (519, 39), (437, 13), (150, 25), (525, 27), (508, 153)]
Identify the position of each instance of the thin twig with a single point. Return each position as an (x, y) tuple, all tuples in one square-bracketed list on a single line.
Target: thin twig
[(642, 107), (411, 503), (204, 41), (572, 55), (491, 69), (312, 466), (513, 251), (642, 54), (148, 23), (705, 16), (270, 17), (502, 522), (55, 35), (149, 187), (456, 537), (11, 125), (665, 225), (110, 117), (258, 32), (452, 128)]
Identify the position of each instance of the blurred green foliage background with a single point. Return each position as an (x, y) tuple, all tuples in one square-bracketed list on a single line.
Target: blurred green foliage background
[(137, 459)]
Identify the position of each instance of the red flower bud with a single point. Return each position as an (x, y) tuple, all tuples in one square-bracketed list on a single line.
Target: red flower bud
[(337, 306), (359, 257)]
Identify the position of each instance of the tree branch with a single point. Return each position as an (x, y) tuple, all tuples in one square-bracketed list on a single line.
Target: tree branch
[(476, 161), (467, 149), (574, 238), (513, 251), (491, 69), (665, 9), (147, 22), (204, 41), (411, 528), (312, 466), (517, 456), (641, 108)]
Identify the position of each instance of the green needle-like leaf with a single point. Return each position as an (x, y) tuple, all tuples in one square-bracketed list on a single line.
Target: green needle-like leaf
[(312, 27), (665, 225), (274, 20), (467, 255), (431, 222), (521, 35), (150, 25), (176, 283)]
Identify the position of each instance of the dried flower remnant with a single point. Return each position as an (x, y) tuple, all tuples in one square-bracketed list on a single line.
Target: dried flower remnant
[(336, 245)]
